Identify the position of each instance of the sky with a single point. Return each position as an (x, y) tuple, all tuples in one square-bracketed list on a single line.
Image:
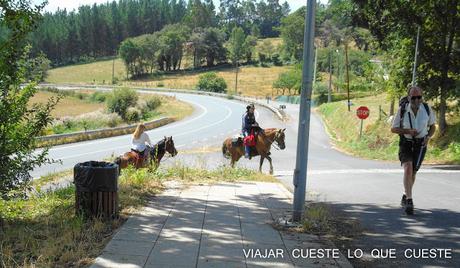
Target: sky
[(53, 5)]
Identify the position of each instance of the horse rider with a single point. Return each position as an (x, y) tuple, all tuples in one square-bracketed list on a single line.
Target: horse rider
[(249, 123), (140, 141)]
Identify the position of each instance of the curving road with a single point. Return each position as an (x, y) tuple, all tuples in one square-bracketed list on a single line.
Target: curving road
[(364, 189), (212, 120)]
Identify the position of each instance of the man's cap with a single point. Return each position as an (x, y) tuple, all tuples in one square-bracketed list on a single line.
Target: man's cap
[(250, 106)]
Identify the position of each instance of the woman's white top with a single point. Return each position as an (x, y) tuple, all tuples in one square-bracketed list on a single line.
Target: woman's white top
[(139, 144)]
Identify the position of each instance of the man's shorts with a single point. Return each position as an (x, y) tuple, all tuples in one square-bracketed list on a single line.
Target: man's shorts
[(410, 151)]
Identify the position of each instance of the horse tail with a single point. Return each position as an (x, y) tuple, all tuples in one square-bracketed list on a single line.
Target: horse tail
[(225, 151), (118, 162)]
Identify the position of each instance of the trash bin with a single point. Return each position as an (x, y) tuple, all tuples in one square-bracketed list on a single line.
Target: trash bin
[(96, 185)]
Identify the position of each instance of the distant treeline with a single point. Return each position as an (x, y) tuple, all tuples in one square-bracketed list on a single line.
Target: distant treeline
[(97, 31)]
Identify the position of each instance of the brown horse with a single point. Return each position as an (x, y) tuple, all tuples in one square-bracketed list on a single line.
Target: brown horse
[(154, 156), (264, 142)]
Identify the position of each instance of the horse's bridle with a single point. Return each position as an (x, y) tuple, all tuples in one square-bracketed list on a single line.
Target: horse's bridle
[(272, 142)]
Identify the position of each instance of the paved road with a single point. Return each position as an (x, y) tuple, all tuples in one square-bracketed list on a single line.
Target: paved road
[(367, 190), (212, 120)]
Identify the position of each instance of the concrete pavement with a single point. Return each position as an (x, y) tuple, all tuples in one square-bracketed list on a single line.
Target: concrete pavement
[(220, 225)]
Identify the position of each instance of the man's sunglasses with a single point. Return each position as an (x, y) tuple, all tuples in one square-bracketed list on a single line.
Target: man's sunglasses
[(416, 97)]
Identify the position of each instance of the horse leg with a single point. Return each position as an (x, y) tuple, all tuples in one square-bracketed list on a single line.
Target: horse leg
[(261, 163), (271, 165)]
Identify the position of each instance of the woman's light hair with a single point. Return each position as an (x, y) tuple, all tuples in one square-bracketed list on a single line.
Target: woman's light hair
[(139, 130)]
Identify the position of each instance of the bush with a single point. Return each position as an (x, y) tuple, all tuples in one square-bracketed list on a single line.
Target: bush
[(276, 60), (98, 96), (133, 114), (153, 103), (120, 100), (321, 91), (211, 82)]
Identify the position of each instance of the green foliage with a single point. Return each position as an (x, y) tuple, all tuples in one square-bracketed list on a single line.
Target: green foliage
[(208, 46), (236, 45), (120, 100), (98, 96), (394, 24), (133, 115), (211, 82), (20, 124), (37, 67), (292, 30), (291, 80), (153, 103)]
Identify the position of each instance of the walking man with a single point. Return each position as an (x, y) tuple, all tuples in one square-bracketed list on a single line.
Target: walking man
[(415, 124)]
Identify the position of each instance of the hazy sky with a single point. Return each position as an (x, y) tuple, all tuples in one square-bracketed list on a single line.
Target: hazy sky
[(53, 5)]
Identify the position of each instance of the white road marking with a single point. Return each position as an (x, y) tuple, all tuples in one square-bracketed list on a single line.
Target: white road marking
[(366, 171)]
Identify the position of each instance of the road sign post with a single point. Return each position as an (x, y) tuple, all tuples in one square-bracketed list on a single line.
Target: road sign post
[(362, 113)]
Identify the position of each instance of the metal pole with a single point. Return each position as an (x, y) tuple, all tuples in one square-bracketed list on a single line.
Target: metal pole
[(361, 129), (300, 172), (414, 69), (348, 76)]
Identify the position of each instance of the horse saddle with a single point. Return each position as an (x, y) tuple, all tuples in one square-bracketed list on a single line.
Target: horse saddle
[(140, 157), (237, 140)]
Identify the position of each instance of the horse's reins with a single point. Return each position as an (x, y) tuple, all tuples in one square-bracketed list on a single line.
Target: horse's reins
[(272, 143)]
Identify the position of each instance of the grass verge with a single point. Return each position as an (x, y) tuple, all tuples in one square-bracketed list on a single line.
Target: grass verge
[(377, 142), (43, 231)]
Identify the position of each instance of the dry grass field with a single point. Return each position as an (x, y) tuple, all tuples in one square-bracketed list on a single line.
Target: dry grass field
[(67, 106), (252, 81), (96, 72)]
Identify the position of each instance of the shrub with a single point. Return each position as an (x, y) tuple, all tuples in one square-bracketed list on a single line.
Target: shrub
[(120, 100), (98, 96), (276, 60), (133, 114), (321, 90), (153, 103), (211, 82)]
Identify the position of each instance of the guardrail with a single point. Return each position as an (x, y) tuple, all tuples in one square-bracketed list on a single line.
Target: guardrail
[(99, 133), (279, 113)]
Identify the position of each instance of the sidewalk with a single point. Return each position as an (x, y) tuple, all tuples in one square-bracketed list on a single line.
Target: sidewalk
[(213, 226)]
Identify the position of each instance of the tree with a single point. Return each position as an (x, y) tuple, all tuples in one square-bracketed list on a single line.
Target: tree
[(20, 123), (395, 23), (292, 28), (249, 46), (211, 82), (290, 80), (236, 50)]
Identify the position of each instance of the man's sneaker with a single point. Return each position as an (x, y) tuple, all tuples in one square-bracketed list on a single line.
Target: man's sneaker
[(403, 200), (409, 207)]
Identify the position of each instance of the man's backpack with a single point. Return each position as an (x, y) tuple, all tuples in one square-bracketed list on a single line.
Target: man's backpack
[(402, 107)]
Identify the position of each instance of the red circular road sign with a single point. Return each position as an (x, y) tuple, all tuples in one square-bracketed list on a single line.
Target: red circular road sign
[(362, 112)]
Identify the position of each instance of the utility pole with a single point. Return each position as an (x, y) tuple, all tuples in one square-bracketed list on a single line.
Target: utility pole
[(329, 90), (348, 76), (338, 69), (300, 172), (236, 79), (113, 71), (414, 69)]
